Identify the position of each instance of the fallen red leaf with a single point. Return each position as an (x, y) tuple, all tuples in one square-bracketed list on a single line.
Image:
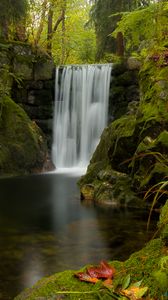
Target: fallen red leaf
[(104, 271), (108, 283), (86, 277)]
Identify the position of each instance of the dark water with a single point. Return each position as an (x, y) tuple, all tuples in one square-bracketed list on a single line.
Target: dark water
[(45, 229)]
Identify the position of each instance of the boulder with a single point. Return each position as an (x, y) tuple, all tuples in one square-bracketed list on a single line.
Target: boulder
[(22, 145)]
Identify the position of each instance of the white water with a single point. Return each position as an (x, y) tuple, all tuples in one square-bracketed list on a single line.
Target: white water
[(80, 115)]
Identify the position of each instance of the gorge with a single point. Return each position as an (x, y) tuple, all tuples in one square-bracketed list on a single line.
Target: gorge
[(139, 124), (83, 150)]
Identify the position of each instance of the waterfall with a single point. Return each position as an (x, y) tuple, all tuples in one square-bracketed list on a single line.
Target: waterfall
[(80, 114)]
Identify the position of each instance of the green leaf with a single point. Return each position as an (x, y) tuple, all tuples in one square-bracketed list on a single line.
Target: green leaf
[(126, 282), (138, 283), (141, 292)]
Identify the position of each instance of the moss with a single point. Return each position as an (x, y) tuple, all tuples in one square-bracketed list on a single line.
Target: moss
[(144, 263), (141, 265), (150, 162), (163, 223), (87, 192), (151, 78), (64, 281), (22, 144), (163, 139), (125, 144), (127, 78)]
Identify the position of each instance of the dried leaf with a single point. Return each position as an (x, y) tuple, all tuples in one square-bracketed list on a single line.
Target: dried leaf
[(86, 277), (104, 270), (108, 283), (130, 292), (135, 293), (92, 274)]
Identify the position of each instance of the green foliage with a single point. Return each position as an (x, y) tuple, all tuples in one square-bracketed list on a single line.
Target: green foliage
[(12, 10), (74, 40), (105, 14), (12, 15), (79, 41), (144, 28)]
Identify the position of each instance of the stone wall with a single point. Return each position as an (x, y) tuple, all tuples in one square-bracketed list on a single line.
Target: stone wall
[(23, 147), (35, 92), (32, 87), (124, 89)]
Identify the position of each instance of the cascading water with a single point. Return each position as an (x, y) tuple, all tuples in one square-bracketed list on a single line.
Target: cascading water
[(81, 112)]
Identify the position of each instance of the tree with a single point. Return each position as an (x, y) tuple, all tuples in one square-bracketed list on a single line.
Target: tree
[(105, 14), (52, 28), (59, 27), (79, 37), (10, 13), (144, 28), (47, 15)]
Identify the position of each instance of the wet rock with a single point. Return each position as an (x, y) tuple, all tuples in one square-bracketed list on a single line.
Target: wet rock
[(87, 192), (23, 147), (23, 69), (43, 70), (133, 63), (125, 144)]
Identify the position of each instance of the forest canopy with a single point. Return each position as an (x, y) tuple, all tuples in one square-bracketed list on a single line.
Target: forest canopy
[(83, 31)]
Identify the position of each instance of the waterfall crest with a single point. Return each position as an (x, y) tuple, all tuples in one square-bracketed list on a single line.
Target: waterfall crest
[(80, 114)]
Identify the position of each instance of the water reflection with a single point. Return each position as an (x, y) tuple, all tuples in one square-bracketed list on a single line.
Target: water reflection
[(45, 229), (32, 268)]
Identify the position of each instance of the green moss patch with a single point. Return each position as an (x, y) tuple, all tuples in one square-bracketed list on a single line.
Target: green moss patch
[(126, 143), (147, 265), (22, 146)]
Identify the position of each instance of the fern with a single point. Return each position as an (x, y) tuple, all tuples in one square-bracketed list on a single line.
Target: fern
[(145, 27)]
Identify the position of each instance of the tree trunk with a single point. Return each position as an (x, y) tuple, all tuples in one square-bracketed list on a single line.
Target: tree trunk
[(50, 30), (41, 26), (63, 32), (120, 44), (4, 27), (21, 32)]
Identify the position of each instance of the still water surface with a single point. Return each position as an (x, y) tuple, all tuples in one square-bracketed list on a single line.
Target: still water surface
[(44, 228)]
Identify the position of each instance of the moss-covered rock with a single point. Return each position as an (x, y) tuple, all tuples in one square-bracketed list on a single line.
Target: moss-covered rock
[(148, 265), (131, 144), (163, 223), (22, 146), (150, 161), (107, 186), (27, 76)]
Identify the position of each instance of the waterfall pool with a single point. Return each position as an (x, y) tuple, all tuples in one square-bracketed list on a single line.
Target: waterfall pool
[(44, 228)]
